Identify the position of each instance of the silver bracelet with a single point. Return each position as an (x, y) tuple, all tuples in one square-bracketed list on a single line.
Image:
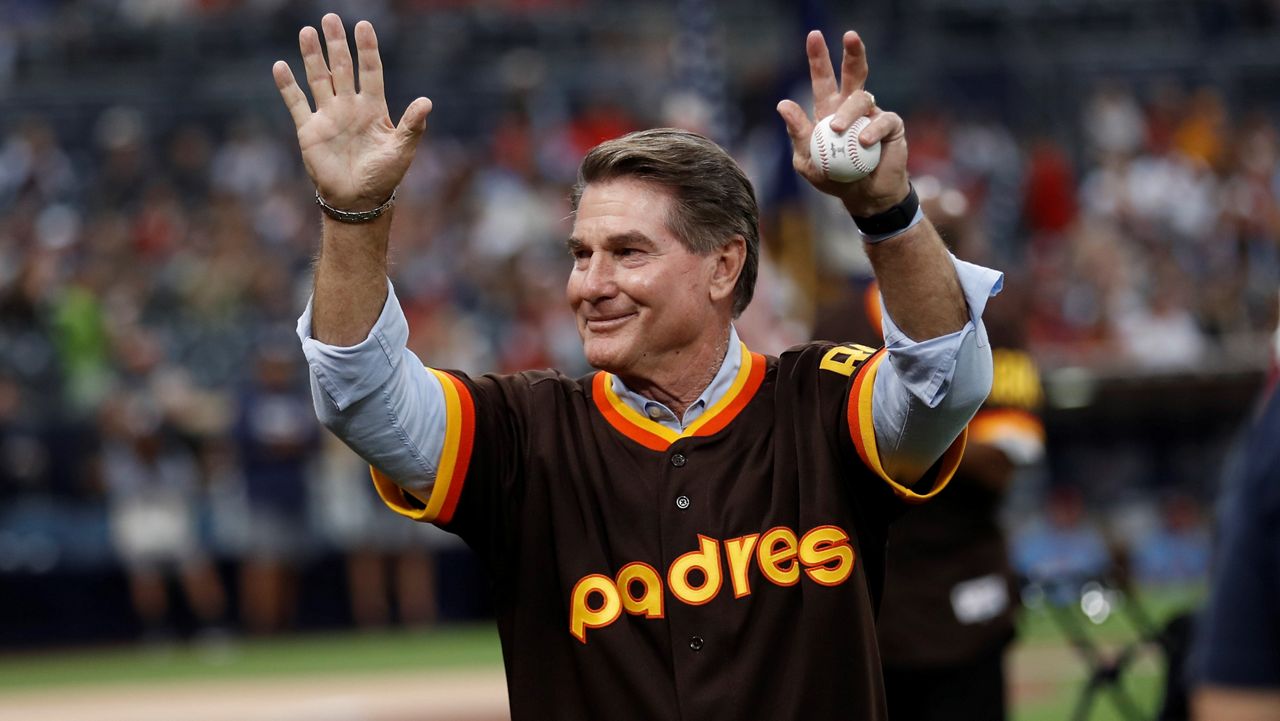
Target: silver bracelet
[(352, 216)]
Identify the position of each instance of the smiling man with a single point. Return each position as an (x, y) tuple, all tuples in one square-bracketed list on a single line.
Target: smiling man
[(695, 530)]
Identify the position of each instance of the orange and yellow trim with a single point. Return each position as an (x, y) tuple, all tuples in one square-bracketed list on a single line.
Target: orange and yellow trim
[(657, 437), (862, 431), (455, 457)]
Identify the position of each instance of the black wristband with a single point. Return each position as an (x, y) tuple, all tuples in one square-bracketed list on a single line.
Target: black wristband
[(893, 219)]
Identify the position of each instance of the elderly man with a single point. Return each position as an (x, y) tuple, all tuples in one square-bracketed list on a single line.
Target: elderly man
[(695, 530)]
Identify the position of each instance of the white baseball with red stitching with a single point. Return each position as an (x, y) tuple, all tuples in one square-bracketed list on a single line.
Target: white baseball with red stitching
[(840, 156)]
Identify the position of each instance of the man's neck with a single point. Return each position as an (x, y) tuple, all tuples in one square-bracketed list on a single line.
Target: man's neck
[(680, 386)]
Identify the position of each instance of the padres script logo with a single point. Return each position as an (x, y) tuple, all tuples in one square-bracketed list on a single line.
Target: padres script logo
[(824, 553)]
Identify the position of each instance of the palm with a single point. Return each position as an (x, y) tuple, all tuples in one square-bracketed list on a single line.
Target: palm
[(352, 151)]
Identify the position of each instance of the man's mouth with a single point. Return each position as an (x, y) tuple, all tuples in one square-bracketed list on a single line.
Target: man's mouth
[(603, 323)]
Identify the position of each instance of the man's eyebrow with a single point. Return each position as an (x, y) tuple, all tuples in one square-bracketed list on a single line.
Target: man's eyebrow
[(633, 237)]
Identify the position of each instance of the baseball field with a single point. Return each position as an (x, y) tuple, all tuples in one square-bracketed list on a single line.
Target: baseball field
[(455, 673)]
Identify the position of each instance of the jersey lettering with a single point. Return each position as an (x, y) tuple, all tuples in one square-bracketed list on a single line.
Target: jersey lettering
[(844, 359), (588, 615), (696, 577), (737, 552), (644, 577), (777, 553), (706, 560)]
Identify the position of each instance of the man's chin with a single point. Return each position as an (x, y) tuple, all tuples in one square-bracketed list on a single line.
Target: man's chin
[(603, 355)]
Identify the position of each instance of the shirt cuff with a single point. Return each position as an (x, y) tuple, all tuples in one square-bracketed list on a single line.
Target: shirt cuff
[(350, 374), (926, 367)]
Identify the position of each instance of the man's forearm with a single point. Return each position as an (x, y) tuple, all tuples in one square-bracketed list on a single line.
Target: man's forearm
[(918, 283), (350, 283)]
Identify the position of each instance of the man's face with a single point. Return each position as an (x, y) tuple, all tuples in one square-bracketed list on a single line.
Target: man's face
[(642, 300)]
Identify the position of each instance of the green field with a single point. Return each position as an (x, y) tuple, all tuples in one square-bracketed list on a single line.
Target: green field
[(1047, 673)]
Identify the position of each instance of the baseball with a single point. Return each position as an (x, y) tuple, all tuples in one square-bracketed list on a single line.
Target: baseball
[(840, 156)]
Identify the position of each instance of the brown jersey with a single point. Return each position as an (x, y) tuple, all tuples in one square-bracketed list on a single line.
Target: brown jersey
[(729, 571)]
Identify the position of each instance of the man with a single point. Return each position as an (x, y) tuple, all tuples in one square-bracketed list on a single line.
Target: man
[(694, 531), (1237, 648)]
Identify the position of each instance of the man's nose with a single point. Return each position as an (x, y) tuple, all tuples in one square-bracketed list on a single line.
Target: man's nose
[(599, 280)]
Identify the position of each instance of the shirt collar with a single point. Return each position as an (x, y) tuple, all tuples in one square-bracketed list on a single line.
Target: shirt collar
[(714, 391)]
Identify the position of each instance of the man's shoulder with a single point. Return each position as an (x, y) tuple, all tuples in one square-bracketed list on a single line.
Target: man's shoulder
[(842, 359)]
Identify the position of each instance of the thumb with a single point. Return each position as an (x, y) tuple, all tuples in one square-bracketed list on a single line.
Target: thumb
[(798, 126), (414, 121)]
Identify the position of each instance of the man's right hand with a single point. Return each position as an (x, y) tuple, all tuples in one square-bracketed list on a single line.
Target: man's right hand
[(354, 154)]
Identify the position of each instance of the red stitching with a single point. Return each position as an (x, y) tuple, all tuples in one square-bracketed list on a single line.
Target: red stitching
[(822, 147)]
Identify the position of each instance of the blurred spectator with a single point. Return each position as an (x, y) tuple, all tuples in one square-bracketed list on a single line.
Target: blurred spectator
[(153, 486), (1177, 551), (1064, 545), (278, 436), (386, 559)]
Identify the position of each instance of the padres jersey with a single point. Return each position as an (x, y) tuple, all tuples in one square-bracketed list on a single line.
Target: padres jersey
[(729, 571)]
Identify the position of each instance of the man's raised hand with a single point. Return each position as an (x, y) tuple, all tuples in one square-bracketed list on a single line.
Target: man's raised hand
[(354, 154), (848, 100)]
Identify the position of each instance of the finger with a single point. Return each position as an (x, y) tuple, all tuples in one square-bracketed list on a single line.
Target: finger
[(318, 78), (884, 127), (799, 128), (370, 60), (855, 106), (853, 69), (294, 99), (335, 40), (414, 121), (821, 74)]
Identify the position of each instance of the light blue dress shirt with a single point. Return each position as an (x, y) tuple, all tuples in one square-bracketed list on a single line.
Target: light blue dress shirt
[(377, 397)]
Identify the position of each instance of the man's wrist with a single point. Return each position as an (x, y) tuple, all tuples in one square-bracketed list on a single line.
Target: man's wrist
[(355, 216), (869, 239), (893, 221)]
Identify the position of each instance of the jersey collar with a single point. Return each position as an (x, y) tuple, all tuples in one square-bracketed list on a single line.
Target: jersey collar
[(734, 385)]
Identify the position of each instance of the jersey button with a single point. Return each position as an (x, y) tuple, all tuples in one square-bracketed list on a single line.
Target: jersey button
[(696, 643), (678, 460), (682, 502)]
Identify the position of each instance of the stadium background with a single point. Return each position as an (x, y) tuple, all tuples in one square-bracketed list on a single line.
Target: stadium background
[(1118, 160)]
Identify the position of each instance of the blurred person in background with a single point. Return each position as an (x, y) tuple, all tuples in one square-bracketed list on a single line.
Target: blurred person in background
[(153, 491), (950, 593), (1236, 658), (387, 559), (277, 438), (1177, 550), (1064, 544)]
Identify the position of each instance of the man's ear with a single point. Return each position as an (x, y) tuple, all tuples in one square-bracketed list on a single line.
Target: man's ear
[(729, 259)]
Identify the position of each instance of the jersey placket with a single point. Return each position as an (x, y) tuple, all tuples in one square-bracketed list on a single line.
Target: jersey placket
[(694, 566)]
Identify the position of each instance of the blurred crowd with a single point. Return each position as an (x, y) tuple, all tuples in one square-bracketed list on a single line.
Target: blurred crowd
[(154, 408)]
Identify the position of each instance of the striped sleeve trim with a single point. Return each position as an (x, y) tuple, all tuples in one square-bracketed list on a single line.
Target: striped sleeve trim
[(455, 458), (863, 433)]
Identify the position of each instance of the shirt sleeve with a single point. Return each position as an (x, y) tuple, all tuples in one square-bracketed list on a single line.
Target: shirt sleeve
[(379, 398), (929, 390)]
